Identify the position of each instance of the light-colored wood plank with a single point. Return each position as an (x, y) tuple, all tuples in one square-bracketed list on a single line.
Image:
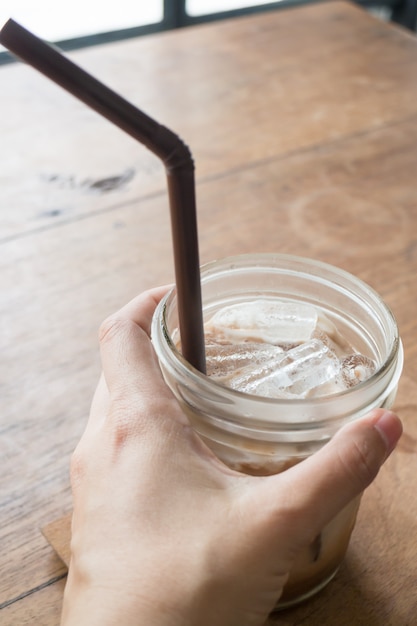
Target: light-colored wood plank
[(43, 607), (270, 85)]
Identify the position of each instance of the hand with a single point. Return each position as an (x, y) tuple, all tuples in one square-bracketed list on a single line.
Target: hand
[(163, 532)]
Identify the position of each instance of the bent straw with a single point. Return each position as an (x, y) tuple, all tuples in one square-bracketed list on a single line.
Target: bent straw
[(175, 155)]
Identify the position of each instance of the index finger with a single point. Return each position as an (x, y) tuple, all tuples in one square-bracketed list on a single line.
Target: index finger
[(127, 355), (140, 310)]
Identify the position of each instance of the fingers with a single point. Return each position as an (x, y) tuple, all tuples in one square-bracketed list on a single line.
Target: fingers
[(128, 359), (322, 485), (140, 311)]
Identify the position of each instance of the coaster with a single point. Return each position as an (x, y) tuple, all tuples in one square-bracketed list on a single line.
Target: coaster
[(58, 534)]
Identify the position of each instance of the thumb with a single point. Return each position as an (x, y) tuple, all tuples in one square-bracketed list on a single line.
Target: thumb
[(322, 485)]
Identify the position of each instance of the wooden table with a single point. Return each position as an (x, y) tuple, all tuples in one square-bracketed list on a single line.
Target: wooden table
[(303, 125)]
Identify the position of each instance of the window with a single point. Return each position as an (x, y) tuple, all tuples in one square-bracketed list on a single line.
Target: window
[(57, 21), (205, 7), (78, 23)]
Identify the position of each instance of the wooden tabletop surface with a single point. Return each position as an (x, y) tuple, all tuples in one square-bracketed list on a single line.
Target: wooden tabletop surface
[(303, 126)]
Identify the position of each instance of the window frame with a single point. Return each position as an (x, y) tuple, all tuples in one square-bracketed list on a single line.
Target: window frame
[(174, 16)]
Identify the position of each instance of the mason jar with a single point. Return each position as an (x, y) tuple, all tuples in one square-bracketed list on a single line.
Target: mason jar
[(262, 436)]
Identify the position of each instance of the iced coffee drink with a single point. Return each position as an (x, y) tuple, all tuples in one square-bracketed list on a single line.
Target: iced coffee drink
[(295, 349), (279, 349)]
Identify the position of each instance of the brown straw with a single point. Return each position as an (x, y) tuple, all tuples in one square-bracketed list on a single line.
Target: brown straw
[(175, 155)]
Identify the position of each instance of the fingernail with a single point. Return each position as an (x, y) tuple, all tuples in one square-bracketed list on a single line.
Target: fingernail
[(390, 429)]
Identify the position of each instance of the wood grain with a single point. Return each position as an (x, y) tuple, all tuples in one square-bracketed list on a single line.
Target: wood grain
[(41, 607), (270, 85), (306, 149)]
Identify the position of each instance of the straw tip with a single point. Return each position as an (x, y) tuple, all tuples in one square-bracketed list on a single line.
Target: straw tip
[(7, 23), (7, 26)]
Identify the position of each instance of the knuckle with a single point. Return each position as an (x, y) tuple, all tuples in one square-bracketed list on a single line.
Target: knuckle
[(129, 418), (111, 327), (124, 424), (144, 418)]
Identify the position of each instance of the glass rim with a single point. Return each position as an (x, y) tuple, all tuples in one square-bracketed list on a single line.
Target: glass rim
[(246, 261)]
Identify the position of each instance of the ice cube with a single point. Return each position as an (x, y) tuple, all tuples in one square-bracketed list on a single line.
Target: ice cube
[(224, 359), (297, 372), (270, 321), (329, 334), (356, 368)]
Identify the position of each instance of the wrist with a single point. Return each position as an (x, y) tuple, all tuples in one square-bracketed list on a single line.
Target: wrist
[(114, 601), (108, 607)]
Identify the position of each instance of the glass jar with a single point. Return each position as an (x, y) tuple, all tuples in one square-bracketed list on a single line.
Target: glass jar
[(260, 436)]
